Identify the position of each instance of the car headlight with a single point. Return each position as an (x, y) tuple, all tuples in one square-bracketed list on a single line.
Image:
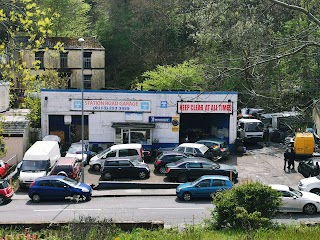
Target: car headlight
[(178, 190), (300, 184), (85, 190)]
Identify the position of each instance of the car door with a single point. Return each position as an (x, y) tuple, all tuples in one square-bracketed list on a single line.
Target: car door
[(194, 170), (60, 190), (189, 151), (290, 202), (203, 188), (126, 169), (208, 169)]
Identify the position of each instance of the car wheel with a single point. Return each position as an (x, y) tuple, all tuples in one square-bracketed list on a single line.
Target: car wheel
[(162, 170), (88, 198), (2, 200), (107, 176), (96, 167), (309, 209), (182, 178), (142, 175), (36, 198), (315, 191), (187, 196), (76, 197)]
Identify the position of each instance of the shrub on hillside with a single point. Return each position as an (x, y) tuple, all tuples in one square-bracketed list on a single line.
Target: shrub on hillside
[(247, 206)]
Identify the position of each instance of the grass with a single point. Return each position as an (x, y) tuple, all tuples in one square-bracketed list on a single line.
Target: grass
[(108, 231)]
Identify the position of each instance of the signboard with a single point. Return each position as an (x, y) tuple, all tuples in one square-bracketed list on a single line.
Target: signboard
[(112, 105), (204, 107), (163, 104), (175, 124), (160, 119)]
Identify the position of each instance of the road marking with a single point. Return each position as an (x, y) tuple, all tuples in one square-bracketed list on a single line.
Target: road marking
[(201, 208), (71, 209)]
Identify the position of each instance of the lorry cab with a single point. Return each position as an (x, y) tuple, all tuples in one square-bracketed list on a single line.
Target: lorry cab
[(250, 130)]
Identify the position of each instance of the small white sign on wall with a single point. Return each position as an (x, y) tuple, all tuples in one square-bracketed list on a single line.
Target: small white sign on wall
[(133, 116)]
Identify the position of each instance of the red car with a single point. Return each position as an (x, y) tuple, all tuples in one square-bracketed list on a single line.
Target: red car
[(6, 192), (4, 169)]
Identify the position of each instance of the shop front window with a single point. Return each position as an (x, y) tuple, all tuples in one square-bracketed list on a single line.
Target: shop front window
[(142, 136)]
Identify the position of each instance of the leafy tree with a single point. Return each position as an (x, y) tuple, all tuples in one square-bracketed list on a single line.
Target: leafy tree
[(70, 17), (186, 76), (247, 206)]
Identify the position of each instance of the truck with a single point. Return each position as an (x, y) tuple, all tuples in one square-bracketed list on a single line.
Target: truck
[(250, 130), (38, 161)]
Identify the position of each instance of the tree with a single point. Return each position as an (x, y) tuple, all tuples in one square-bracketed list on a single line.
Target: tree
[(247, 206), (19, 18), (186, 76), (70, 17)]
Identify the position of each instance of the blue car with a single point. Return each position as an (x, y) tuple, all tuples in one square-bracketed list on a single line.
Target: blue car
[(203, 187), (58, 188)]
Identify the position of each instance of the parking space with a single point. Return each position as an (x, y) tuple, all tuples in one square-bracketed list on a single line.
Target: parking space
[(263, 164)]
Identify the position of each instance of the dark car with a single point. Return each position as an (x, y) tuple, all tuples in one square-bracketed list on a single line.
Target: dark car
[(188, 169), (219, 147), (6, 191), (308, 167), (68, 166), (58, 188), (203, 187), (167, 157), (124, 168)]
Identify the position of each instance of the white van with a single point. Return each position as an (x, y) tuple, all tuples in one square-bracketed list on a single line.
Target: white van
[(132, 150), (37, 161)]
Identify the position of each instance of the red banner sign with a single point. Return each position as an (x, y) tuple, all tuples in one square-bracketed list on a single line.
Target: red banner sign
[(204, 107)]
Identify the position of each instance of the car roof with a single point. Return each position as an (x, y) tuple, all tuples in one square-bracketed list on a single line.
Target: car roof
[(218, 140), (126, 146), (248, 120), (220, 177), (194, 159), (279, 187), (192, 145), (173, 153), (66, 161)]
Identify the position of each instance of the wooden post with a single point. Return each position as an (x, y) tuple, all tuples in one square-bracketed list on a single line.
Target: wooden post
[(231, 176)]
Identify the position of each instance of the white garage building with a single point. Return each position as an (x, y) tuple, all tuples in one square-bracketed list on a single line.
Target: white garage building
[(154, 118)]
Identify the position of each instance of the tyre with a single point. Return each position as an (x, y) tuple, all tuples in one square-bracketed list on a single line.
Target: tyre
[(88, 198), (309, 209), (36, 198), (1, 200), (315, 191), (182, 178), (187, 196), (162, 170), (107, 176), (96, 167), (142, 175), (76, 197)]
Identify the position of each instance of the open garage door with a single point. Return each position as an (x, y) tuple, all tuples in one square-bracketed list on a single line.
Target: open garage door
[(195, 126)]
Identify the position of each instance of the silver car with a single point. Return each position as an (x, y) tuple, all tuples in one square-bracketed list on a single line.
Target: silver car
[(297, 201)]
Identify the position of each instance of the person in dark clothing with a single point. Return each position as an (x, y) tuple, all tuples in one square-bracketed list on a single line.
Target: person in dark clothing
[(317, 169), (286, 158), (292, 157)]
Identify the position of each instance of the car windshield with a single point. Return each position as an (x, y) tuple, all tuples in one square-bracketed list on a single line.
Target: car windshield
[(70, 181), (34, 165), (66, 169), (296, 192), (203, 149), (100, 154), (254, 127)]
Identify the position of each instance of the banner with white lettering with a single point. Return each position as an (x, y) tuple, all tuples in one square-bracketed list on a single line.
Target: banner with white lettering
[(204, 107), (111, 105)]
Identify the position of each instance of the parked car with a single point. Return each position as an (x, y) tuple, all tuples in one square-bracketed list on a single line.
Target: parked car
[(167, 157), (75, 150), (219, 147), (86, 151), (297, 201), (69, 167), (192, 168), (116, 167), (6, 191), (310, 184), (203, 187), (308, 167), (4, 169), (133, 151), (58, 188), (196, 150)]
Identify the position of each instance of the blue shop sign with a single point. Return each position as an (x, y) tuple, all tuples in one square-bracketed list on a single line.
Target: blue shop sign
[(160, 119)]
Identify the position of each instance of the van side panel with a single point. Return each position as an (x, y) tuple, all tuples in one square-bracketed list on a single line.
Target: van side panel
[(304, 144)]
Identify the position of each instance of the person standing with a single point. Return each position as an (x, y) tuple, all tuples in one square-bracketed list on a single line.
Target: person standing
[(286, 158), (292, 157)]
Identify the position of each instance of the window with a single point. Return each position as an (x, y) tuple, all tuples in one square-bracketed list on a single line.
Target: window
[(39, 57), (194, 165), (180, 149), (189, 150), (124, 163), (111, 154), (286, 194), (45, 183), (123, 153), (63, 60), (132, 152), (87, 81), (87, 60), (218, 183), (204, 183)]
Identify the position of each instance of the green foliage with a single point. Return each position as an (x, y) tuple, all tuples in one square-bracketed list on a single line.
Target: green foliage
[(186, 76), (247, 206)]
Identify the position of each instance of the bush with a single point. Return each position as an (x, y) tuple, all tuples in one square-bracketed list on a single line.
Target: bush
[(247, 206)]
